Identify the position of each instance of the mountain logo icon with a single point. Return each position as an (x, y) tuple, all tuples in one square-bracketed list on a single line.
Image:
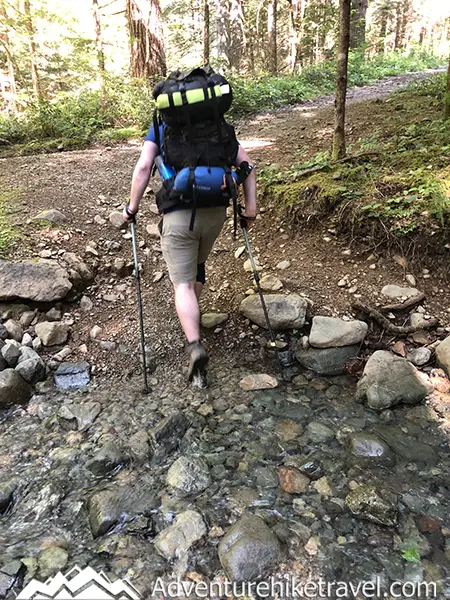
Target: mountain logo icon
[(83, 584)]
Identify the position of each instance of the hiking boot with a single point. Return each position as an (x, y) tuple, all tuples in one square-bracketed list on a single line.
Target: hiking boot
[(198, 359)]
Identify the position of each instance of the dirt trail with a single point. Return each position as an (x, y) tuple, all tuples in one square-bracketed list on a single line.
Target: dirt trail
[(91, 183)]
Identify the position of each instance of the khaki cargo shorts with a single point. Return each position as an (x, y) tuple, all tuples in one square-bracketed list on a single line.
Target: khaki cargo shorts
[(182, 249)]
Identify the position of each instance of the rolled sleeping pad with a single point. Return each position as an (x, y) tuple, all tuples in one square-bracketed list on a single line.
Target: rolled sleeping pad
[(208, 180)]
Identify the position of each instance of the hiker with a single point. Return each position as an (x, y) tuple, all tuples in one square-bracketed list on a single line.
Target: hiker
[(195, 151)]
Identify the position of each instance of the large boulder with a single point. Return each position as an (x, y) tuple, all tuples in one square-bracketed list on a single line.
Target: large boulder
[(330, 332), (13, 389), (443, 355), (327, 361), (389, 380), (285, 312), (248, 549), (40, 281)]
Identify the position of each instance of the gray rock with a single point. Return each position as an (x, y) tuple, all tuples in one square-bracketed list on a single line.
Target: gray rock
[(27, 340), (328, 361), (418, 321), (52, 333), (107, 508), (52, 560), (176, 539), (30, 366), (285, 312), (409, 448), (27, 318), (3, 363), (72, 376), (54, 314), (40, 281), (249, 549), (3, 332), (330, 332), (116, 220), (210, 320), (369, 448), (86, 304), (389, 380), (443, 355), (13, 389), (165, 437), (395, 291), (11, 575), (52, 215), (37, 344), (373, 503), (80, 272), (319, 432), (7, 490), (270, 283), (152, 230), (139, 446), (108, 458), (419, 356), (14, 329), (11, 353), (79, 416), (188, 476)]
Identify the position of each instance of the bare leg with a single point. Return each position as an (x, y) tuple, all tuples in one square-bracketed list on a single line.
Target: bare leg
[(188, 311), (198, 289)]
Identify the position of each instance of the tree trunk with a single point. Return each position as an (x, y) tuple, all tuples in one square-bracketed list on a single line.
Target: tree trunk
[(294, 33), (358, 23), (32, 49), (383, 31), (206, 32), (235, 35), (11, 94), (339, 150), (221, 31), (147, 54), (272, 35), (447, 94), (98, 38)]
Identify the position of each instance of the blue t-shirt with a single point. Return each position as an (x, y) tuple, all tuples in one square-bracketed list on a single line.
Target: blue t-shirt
[(150, 137)]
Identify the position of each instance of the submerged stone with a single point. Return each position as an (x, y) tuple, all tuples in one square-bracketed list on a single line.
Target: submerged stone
[(188, 476), (373, 503), (176, 539), (13, 389), (72, 376), (248, 549)]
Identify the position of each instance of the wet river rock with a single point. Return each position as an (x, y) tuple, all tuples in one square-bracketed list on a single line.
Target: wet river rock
[(327, 361), (373, 503), (167, 434), (176, 539), (443, 355), (13, 389), (188, 476), (249, 549)]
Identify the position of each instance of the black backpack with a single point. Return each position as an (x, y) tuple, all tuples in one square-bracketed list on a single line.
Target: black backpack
[(192, 104)]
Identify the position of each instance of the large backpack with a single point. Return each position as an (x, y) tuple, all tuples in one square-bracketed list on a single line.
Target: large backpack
[(192, 104)]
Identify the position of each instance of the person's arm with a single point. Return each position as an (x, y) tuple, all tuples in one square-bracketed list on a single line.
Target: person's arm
[(141, 175), (249, 186)]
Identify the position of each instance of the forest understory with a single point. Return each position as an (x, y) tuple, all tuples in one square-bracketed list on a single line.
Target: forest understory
[(320, 222)]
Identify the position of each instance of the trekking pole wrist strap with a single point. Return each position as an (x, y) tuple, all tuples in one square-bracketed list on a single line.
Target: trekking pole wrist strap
[(130, 213)]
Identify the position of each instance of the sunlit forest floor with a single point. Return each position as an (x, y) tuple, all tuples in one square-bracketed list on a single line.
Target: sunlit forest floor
[(87, 185)]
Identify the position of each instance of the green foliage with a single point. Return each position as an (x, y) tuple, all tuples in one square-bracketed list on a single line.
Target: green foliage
[(79, 118), (411, 554), (401, 194)]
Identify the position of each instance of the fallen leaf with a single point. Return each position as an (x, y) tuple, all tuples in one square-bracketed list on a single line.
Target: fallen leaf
[(400, 260), (399, 348)]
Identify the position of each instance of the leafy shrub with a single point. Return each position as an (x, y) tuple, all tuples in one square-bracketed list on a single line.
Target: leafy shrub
[(79, 117)]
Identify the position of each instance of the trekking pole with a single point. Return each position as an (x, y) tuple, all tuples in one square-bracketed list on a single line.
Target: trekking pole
[(141, 315), (256, 277)]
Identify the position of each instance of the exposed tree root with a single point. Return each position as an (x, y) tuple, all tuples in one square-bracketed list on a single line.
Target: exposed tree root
[(374, 314), (404, 305)]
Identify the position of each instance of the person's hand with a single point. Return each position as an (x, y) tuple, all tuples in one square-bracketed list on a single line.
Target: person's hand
[(128, 215)]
